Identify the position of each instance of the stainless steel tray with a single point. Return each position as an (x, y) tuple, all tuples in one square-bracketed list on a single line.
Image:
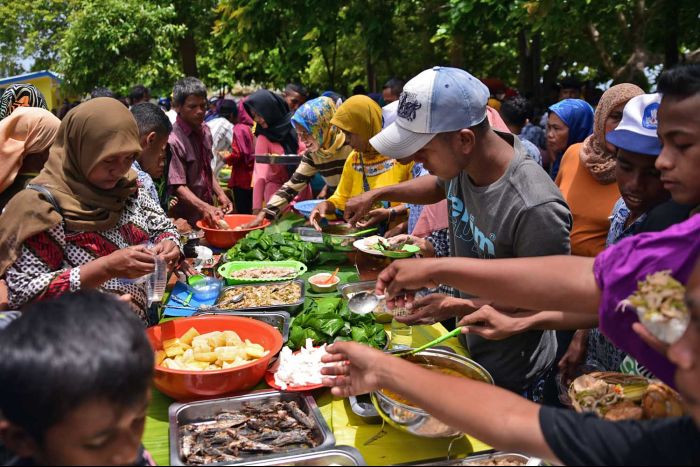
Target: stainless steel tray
[(340, 455), (292, 308), (203, 411), (286, 159), (276, 319), (477, 458)]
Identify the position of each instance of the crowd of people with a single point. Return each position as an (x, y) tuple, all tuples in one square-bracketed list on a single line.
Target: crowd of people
[(531, 233)]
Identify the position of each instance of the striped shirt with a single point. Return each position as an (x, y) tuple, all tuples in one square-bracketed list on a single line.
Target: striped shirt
[(330, 169)]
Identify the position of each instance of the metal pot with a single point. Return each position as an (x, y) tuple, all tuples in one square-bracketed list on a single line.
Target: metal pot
[(417, 421)]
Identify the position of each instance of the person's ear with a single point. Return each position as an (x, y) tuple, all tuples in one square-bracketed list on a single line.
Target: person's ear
[(151, 137), (17, 440), (467, 141)]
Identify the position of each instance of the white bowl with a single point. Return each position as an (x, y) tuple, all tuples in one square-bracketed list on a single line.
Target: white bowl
[(323, 288)]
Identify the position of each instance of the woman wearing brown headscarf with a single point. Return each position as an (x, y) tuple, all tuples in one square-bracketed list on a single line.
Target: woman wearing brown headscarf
[(90, 226)]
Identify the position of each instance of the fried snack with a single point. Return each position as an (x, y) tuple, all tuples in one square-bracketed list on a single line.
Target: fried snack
[(660, 401), (216, 350)]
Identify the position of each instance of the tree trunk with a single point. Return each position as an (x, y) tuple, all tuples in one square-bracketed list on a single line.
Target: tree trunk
[(671, 50), (188, 53), (457, 50), (371, 74)]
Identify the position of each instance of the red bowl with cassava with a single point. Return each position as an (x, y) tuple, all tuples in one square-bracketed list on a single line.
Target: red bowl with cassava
[(222, 238), (187, 385)]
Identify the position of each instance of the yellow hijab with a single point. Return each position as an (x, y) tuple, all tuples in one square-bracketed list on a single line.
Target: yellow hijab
[(362, 116), (89, 133)]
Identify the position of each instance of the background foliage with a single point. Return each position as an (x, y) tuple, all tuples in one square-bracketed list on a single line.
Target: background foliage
[(338, 44)]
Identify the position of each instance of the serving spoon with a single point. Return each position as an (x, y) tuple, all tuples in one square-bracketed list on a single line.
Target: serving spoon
[(364, 302), (433, 343)]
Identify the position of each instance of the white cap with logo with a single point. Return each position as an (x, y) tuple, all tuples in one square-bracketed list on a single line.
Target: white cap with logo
[(438, 100)]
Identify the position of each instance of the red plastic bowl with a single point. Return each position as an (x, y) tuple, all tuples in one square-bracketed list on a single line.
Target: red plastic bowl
[(191, 385), (227, 238)]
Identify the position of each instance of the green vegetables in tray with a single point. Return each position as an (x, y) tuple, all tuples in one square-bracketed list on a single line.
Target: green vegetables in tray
[(328, 320), (280, 246), (261, 246)]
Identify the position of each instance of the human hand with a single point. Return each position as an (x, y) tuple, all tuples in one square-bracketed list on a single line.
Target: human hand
[(323, 194), (129, 263), (187, 268), (255, 222), (4, 295), (211, 216), (357, 369), (357, 207), (182, 226), (405, 277), (575, 355), (375, 217), (225, 203), (400, 229), (493, 324), (434, 308), (169, 251), (650, 339), (426, 248), (318, 213)]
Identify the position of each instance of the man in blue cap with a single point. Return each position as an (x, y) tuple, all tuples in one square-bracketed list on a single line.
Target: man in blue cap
[(501, 205)]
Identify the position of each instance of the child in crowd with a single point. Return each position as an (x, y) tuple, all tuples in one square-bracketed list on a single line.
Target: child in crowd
[(154, 130), (75, 377)]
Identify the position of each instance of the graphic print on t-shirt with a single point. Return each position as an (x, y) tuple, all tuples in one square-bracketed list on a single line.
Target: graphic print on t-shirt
[(465, 226)]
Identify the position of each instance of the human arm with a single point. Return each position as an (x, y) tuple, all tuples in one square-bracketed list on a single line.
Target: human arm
[(495, 323), (377, 216), (362, 369), (563, 283), (421, 190)]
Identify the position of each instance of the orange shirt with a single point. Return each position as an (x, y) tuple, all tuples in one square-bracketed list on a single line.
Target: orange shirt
[(590, 202)]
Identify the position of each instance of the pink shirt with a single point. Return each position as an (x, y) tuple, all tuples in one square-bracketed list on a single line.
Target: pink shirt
[(267, 178)]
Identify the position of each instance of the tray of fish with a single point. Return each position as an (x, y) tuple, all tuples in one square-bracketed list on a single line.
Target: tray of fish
[(339, 455), (262, 425), (273, 296), (276, 159), (277, 319), (488, 459)]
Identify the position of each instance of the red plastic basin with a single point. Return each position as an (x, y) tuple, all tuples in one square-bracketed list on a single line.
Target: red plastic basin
[(191, 385), (227, 238)]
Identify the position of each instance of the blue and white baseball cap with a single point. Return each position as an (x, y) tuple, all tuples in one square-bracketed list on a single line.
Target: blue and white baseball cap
[(438, 100), (637, 130)]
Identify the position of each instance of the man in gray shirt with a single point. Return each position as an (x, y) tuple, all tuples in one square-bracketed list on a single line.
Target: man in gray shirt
[(501, 204)]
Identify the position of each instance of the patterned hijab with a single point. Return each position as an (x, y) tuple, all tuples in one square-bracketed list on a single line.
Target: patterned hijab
[(278, 117), (362, 116), (315, 117), (29, 130), (594, 155), (90, 133), (20, 95)]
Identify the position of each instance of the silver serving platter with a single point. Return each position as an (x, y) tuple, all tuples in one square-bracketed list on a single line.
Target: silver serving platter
[(471, 460), (277, 319), (181, 414), (286, 159), (291, 308), (340, 455)]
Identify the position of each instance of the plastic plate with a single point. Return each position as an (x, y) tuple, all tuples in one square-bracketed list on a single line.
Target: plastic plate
[(227, 269)]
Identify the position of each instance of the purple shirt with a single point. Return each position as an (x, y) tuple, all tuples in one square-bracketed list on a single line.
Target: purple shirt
[(617, 271), (190, 165)]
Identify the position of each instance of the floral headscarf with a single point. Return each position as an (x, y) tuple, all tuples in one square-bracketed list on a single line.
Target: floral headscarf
[(315, 117)]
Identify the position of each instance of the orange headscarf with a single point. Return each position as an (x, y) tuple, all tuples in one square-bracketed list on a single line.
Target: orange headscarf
[(28, 130)]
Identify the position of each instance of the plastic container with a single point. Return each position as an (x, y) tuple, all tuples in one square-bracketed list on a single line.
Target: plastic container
[(401, 334), (156, 281), (318, 285), (190, 385), (206, 289), (227, 238), (226, 270)]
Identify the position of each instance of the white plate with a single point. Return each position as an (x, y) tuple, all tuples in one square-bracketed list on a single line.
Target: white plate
[(366, 245)]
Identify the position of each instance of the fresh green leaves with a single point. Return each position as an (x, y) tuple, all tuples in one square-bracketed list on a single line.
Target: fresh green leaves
[(328, 320), (263, 246)]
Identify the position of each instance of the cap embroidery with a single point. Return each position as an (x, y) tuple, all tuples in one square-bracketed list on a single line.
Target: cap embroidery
[(408, 106), (649, 120)]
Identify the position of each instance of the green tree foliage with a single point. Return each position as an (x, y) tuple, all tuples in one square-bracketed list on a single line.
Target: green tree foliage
[(117, 43), (329, 44)]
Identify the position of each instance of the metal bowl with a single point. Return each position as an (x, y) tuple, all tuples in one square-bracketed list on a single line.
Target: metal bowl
[(417, 421)]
